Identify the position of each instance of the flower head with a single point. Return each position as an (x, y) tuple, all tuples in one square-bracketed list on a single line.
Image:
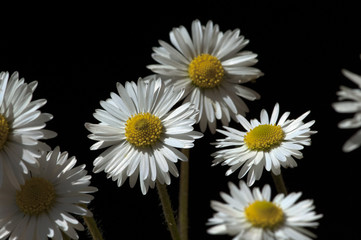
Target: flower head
[(21, 127), (211, 67), (253, 215), (350, 102), (43, 205), (142, 133), (267, 144)]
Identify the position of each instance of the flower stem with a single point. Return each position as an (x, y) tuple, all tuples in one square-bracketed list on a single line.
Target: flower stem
[(279, 183), (92, 226), (167, 210), (183, 197)]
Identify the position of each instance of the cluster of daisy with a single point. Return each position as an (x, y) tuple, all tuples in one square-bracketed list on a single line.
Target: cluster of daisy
[(40, 189), (142, 128), (145, 128)]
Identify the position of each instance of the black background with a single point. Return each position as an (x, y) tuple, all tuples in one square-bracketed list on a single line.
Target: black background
[(78, 53)]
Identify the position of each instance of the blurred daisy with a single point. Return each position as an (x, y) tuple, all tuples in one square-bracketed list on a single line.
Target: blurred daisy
[(210, 66), (21, 127), (142, 133), (265, 144), (350, 102), (253, 215), (42, 206)]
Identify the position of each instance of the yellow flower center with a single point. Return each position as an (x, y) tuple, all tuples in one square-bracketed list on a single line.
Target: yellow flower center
[(143, 129), (4, 131), (264, 214), (264, 137), (206, 71), (36, 196)]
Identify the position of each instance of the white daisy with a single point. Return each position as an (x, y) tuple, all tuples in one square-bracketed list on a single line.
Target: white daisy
[(42, 207), (265, 144), (253, 215), (210, 65), (21, 127), (350, 102), (142, 133)]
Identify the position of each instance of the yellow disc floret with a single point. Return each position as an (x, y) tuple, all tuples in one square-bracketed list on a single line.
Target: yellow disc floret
[(206, 71), (143, 129), (264, 214), (264, 137), (36, 196), (4, 131)]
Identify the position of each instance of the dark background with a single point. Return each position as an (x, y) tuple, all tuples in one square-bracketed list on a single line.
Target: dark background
[(77, 54)]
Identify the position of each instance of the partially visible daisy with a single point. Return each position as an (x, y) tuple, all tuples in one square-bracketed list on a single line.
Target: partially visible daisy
[(253, 215), (142, 133), (21, 127), (211, 67), (43, 205), (269, 144), (350, 102)]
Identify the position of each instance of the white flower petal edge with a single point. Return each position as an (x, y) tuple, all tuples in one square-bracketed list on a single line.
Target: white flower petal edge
[(71, 186), (221, 101), (230, 217), (296, 134), (21, 127), (152, 162), (350, 102)]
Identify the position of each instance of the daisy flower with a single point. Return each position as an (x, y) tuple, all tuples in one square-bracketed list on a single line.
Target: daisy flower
[(211, 67), (267, 144), (21, 127), (350, 102), (142, 133), (252, 215), (43, 205)]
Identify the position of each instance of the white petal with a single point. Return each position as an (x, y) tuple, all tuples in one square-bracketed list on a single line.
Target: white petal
[(266, 192), (161, 161), (275, 113), (238, 59), (244, 122), (264, 117), (352, 143), (174, 142), (246, 92), (352, 76), (144, 168), (128, 102), (197, 36), (182, 41), (347, 107), (283, 118), (208, 107), (268, 161)]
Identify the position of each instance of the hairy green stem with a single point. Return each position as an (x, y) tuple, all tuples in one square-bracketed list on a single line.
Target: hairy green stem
[(167, 210), (92, 226), (279, 183), (183, 197)]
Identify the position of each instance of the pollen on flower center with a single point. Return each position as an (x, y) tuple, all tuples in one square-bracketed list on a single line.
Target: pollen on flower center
[(4, 131), (206, 71), (143, 129), (36, 196), (264, 214), (264, 137)]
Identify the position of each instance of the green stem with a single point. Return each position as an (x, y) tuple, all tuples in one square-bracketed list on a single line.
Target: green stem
[(279, 183), (167, 210), (92, 226), (183, 197)]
